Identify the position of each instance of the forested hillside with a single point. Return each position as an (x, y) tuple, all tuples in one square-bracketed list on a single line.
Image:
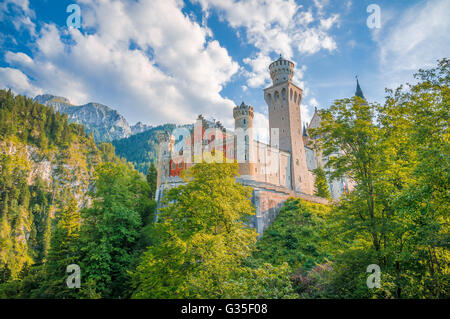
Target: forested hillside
[(50, 171), (141, 149)]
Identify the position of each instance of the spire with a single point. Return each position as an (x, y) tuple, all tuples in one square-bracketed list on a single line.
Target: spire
[(304, 130), (359, 92)]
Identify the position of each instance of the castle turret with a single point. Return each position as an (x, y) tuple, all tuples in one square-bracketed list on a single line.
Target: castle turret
[(243, 125), (281, 70), (283, 99)]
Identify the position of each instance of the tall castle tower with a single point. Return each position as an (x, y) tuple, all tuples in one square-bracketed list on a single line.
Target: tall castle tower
[(283, 99), (243, 120)]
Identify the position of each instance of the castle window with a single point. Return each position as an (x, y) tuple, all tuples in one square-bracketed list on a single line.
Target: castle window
[(245, 122), (277, 95), (296, 162)]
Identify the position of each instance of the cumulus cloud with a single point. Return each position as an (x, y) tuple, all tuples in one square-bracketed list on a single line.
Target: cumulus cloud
[(132, 57), (22, 13), (170, 73), (277, 26), (13, 78)]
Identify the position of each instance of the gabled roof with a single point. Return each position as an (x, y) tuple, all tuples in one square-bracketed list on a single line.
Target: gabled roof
[(315, 115)]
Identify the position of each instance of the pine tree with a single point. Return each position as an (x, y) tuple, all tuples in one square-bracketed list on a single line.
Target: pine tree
[(152, 175), (111, 227), (64, 251), (321, 183)]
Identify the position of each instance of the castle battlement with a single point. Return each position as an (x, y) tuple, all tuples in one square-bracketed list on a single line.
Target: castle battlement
[(281, 70)]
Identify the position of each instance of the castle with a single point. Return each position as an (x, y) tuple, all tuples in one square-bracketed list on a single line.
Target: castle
[(278, 170)]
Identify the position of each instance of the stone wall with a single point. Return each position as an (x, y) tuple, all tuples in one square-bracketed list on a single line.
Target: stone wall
[(269, 199)]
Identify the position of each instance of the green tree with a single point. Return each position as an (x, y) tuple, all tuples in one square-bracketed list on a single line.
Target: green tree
[(203, 238), (321, 183), (398, 156), (152, 175), (64, 251), (111, 227)]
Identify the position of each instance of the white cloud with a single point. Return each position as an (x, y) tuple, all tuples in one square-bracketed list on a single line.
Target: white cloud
[(277, 26), (17, 81), (182, 77), (22, 13), (49, 42), (327, 23), (320, 5), (414, 40), (259, 75), (307, 109), (312, 40)]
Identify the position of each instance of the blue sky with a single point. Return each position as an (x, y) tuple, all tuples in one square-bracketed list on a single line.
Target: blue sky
[(164, 61)]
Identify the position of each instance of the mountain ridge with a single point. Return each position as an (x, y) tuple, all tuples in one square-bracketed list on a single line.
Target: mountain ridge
[(105, 123)]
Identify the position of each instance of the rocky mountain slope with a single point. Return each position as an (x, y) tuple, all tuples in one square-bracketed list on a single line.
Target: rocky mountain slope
[(44, 162), (105, 123)]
